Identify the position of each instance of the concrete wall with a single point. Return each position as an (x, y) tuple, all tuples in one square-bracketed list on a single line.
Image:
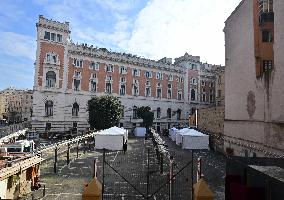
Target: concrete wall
[(254, 106), (240, 66), (277, 89)]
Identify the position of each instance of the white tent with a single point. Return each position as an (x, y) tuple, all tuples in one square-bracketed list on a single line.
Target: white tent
[(179, 135), (172, 133), (140, 131), (111, 139), (195, 140), (119, 130)]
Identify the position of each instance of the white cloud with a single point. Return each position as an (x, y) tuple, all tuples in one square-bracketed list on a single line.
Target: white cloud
[(117, 5), (17, 45), (172, 27), (114, 38), (98, 22)]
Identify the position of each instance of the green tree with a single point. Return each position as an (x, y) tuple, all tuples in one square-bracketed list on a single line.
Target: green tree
[(146, 115), (104, 112)]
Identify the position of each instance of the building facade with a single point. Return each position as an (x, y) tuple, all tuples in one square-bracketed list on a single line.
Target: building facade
[(254, 72), (16, 105), (67, 75)]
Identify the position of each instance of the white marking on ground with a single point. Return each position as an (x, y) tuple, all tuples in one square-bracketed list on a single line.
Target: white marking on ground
[(114, 157)]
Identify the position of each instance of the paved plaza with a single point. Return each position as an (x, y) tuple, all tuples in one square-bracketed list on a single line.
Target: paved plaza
[(69, 181)]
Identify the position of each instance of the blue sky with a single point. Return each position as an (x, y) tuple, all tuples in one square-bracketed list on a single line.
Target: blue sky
[(148, 28)]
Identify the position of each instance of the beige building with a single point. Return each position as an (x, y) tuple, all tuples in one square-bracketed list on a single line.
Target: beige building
[(254, 92), (16, 105)]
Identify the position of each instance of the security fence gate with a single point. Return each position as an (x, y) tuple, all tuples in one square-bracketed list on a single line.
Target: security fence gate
[(145, 175)]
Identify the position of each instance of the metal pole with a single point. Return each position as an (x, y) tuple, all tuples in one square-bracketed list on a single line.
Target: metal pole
[(77, 149), (199, 175), (43, 192), (103, 184), (68, 153), (55, 154), (95, 168), (148, 174), (84, 146), (171, 178), (55, 160), (192, 174)]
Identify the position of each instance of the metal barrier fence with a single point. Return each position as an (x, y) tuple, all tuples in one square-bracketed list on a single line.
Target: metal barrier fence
[(151, 174)]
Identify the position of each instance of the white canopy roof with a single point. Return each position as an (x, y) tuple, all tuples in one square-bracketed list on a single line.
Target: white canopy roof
[(112, 131)]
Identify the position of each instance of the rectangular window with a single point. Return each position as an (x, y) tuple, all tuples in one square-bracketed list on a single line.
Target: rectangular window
[(148, 92), (203, 83), (170, 77), (135, 88), (109, 68), (53, 36), (267, 65), (179, 79), (47, 35), (159, 93), (169, 95), (108, 88), (148, 74), (76, 84), (93, 86), (136, 72), (179, 95), (94, 65), (159, 76), (267, 36), (122, 70), (122, 89), (78, 62), (59, 38)]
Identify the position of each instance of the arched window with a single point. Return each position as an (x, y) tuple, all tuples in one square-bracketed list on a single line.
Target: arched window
[(192, 94), (158, 113), (134, 112), (178, 114), (169, 113), (75, 109), (50, 79), (48, 108)]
